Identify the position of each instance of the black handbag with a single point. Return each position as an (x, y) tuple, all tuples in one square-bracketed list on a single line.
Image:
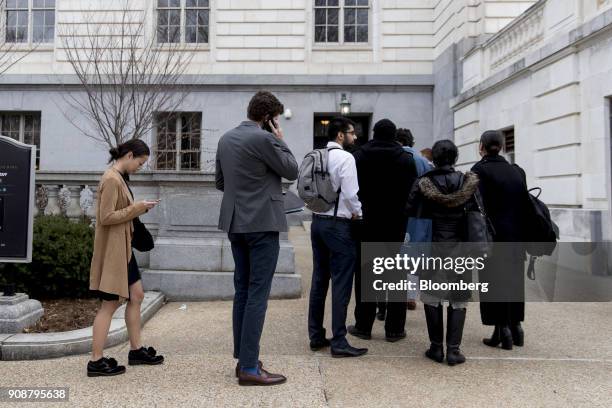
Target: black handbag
[(142, 240), (479, 228)]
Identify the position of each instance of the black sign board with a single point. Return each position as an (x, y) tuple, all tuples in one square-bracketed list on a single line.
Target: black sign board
[(17, 166)]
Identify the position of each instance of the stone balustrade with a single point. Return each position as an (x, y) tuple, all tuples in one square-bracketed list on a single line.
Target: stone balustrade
[(516, 38), (192, 259)]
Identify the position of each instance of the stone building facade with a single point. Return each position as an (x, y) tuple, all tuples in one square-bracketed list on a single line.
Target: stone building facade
[(538, 70)]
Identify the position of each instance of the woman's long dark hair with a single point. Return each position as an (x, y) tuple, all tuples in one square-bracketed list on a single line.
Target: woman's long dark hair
[(136, 146)]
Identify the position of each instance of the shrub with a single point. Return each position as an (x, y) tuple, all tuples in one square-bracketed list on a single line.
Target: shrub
[(61, 257)]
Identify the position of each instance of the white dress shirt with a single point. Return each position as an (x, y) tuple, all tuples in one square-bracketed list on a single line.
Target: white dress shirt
[(343, 173)]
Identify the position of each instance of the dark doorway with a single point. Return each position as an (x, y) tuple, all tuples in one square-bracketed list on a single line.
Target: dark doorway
[(321, 121)]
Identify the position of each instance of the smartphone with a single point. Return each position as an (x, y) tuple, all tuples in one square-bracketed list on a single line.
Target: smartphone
[(266, 124)]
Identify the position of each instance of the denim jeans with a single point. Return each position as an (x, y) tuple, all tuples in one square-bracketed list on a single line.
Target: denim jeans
[(255, 256), (334, 257)]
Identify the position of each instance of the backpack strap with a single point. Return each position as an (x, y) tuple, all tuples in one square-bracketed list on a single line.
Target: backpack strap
[(329, 149)]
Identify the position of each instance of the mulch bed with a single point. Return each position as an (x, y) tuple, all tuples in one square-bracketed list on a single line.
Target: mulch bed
[(65, 314)]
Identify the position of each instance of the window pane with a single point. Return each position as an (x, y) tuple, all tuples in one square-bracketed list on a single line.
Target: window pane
[(22, 18), (38, 18), (49, 34), (162, 3), (362, 33), (349, 2), (49, 18), (191, 34), (332, 34), (362, 16), (38, 34), (11, 18), (174, 17), (349, 16), (203, 17), (333, 3), (22, 34), (320, 16), (191, 17), (203, 34), (11, 35), (320, 34), (362, 2), (166, 142), (349, 34), (162, 34), (332, 17), (174, 34), (319, 3)]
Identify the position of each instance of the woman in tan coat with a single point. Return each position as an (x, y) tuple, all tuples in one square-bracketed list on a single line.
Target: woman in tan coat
[(114, 272)]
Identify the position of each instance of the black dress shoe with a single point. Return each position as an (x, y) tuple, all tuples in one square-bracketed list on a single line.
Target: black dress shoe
[(393, 337), (354, 331), (381, 314), (348, 351), (104, 367), (316, 345), (144, 356)]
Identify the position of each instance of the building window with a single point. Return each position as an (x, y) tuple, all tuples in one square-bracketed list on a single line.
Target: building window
[(30, 21), (352, 15), (509, 144), (183, 21), (179, 141), (23, 127)]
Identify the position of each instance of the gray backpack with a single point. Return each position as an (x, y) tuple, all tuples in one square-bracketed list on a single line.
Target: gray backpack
[(314, 182)]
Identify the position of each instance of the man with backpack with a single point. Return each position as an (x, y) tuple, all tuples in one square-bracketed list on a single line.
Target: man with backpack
[(328, 185)]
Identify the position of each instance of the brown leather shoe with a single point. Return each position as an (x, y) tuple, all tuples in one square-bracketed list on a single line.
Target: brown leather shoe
[(264, 378), (259, 363)]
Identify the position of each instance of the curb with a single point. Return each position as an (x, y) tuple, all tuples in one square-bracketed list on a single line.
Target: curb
[(38, 346)]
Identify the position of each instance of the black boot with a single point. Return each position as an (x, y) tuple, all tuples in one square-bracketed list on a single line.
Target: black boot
[(518, 335), (501, 334), (435, 328), (455, 319)]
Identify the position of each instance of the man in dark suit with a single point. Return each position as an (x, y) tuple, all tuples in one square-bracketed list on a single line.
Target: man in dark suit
[(249, 166), (386, 173)]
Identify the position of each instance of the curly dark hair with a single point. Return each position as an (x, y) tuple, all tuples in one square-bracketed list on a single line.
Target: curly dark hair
[(263, 104)]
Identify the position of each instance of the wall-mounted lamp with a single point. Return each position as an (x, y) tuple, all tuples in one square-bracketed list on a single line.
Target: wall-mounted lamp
[(288, 114), (345, 105)]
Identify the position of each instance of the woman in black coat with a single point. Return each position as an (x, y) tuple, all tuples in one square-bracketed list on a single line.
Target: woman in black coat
[(443, 195), (504, 192)]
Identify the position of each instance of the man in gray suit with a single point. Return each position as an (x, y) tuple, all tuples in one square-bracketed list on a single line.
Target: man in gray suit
[(250, 164)]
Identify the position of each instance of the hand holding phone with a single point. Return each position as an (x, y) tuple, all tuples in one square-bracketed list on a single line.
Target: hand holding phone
[(275, 128), (149, 204)]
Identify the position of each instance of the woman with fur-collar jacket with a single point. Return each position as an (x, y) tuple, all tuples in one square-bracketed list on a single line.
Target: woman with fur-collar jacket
[(443, 195)]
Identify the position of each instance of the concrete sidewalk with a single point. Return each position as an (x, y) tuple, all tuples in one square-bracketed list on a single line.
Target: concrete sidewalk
[(566, 361)]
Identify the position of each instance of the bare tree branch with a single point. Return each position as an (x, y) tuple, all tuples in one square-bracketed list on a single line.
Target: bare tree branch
[(127, 77), (10, 50)]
